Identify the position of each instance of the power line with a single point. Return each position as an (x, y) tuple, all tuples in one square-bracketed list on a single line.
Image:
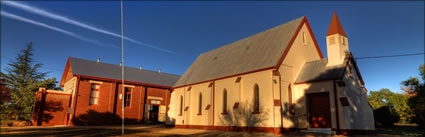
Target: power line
[(389, 56)]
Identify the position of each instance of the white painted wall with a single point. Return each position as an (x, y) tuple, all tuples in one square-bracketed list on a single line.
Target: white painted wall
[(298, 54), (359, 115), (241, 92)]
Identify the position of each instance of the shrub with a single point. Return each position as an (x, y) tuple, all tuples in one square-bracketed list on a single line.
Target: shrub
[(418, 105), (385, 116)]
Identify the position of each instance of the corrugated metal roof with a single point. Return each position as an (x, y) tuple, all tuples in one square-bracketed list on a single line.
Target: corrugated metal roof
[(111, 71), (317, 70), (258, 51)]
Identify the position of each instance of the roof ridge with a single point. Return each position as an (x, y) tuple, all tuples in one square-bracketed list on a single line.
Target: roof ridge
[(120, 66)]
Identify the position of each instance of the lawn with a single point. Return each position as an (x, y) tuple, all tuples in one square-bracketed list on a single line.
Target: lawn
[(401, 130), (159, 130), (4, 122)]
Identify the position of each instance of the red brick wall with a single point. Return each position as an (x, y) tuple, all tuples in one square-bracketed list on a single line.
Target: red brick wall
[(134, 112), (51, 109), (108, 108), (94, 114), (157, 92), (4, 92)]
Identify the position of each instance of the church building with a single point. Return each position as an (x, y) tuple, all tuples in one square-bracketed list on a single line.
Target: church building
[(274, 81)]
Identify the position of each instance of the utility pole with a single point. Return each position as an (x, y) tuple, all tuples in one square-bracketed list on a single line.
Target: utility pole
[(122, 73)]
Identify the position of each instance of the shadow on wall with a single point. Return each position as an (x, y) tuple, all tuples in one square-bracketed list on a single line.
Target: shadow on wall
[(44, 113), (100, 118), (243, 116), (352, 117), (297, 115), (170, 121)]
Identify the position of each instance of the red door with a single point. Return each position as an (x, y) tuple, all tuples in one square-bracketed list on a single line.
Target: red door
[(319, 110)]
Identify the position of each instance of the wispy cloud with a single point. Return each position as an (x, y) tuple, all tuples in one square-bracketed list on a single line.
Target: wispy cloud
[(23, 19), (42, 12)]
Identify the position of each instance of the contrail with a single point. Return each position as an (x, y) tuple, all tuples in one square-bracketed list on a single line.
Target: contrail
[(16, 17), (42, 12)]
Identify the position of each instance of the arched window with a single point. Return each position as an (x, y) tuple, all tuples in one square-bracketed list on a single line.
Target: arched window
[(200, 104), (256, 99), (181, 105), (291, 110), (224, 101)]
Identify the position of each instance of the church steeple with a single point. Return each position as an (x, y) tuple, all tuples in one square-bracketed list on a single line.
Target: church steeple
[(336, 42), (335, 26)]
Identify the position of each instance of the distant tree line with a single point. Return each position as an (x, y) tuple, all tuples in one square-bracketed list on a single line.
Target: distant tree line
[(23, 79), (408, 107)]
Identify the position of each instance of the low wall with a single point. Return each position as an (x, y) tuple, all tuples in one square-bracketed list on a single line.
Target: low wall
[(51, 108)]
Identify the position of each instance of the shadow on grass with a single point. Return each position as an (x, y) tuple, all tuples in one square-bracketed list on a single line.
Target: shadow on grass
[(71, 132), (401, 130)]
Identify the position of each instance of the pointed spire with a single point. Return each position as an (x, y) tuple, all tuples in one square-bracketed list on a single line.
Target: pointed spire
[(335, 26)]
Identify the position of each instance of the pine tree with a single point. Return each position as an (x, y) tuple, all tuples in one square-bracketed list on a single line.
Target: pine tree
[(417, 100), (23, 80)]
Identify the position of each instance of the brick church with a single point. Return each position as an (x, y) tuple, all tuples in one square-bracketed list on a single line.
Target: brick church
[(273, 81)]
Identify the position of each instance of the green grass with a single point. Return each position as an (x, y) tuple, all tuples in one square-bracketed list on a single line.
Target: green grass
[(401, 130), (397, 131), (4, 122)]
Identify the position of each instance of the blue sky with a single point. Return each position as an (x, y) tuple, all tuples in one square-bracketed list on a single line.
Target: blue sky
[(171, 35)]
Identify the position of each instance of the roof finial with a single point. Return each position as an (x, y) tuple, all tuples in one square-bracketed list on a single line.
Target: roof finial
[(335, 26)]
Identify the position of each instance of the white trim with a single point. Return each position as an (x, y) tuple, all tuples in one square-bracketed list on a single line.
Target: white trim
[(130, 86), (96, 82), (157, 98)]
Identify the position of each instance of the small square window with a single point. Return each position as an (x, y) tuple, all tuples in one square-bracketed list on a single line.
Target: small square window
[(344, 101), (332, 40)]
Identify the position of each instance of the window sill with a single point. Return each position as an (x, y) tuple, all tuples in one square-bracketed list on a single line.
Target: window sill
[(255, 112), (224, 113), (180, 115), (199, 114)]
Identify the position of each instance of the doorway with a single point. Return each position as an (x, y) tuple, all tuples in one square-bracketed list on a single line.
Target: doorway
[(319, 113), (153, 112)]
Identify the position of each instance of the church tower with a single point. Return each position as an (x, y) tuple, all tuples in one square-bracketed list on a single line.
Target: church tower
[(336, 42)]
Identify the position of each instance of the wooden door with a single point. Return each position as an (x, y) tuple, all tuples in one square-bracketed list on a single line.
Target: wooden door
[(319, 110)]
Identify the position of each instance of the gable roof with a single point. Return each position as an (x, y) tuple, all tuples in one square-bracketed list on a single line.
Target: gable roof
[(258, 51), (335, 26), (90, 68), (317, 70)]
